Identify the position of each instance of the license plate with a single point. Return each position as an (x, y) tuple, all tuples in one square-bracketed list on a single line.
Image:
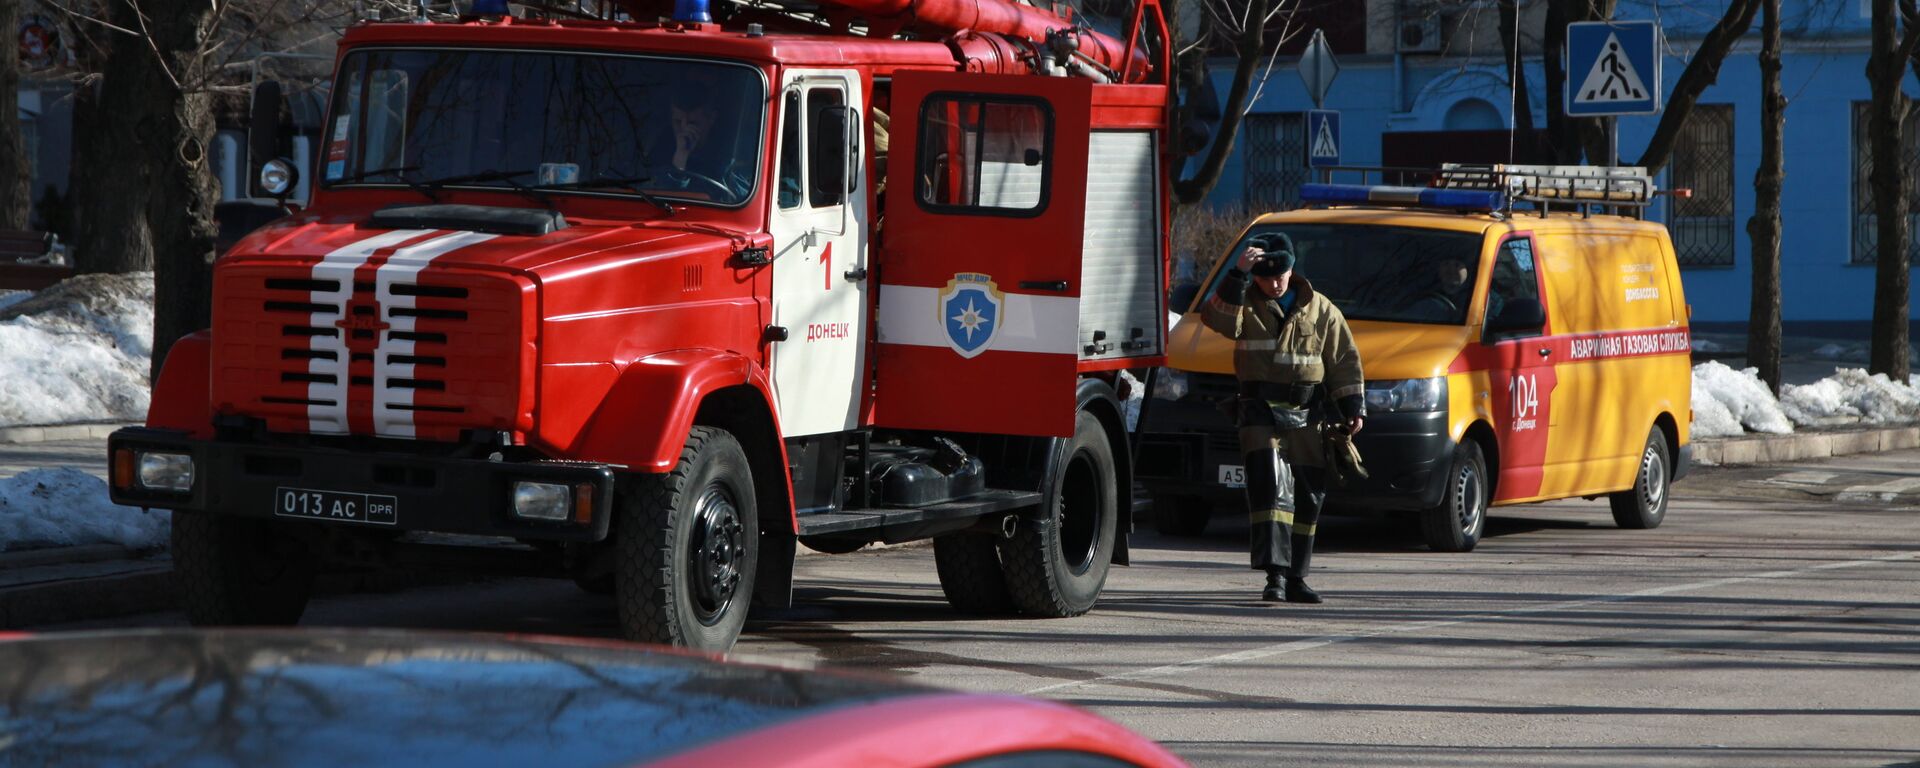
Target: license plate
[(337, 506), (1233, 475)]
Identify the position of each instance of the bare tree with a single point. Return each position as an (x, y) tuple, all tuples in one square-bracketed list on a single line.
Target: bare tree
[(1886, 67), (1702, 70), (1253, 31), (1763, 229), (15, 167)]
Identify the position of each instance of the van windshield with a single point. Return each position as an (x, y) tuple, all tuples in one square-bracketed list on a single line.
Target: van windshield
[(1391, 274), (678, 128)]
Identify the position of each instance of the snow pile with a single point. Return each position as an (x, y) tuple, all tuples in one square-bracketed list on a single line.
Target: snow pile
[(10, 298), (1704, 346), (78, 351), (1725, 400), (64, 507), (1852, 396), (1847, 352)]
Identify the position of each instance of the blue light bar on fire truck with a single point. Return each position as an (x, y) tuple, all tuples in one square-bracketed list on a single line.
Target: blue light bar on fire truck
[(1422, 197)]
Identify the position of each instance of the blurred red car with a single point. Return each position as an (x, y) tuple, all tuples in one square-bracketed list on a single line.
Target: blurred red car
[(356, 698)]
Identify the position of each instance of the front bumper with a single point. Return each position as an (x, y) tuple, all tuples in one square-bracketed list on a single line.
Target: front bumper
[(430, 493), (1406, 456)]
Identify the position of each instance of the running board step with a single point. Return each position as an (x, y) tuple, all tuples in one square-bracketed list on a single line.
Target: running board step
[(875, 520)]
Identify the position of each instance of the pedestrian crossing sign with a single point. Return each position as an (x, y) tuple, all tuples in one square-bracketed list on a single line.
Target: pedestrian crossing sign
[(1323, 138), (1613, 68)]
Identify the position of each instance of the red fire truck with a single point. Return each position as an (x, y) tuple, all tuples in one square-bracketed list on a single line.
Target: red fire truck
[(650, 304)]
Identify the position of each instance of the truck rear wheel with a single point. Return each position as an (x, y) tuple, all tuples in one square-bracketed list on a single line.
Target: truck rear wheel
[(234, 571), (970, 573), (1181, 515), (1456, 524), (1058, 568), (1645, 504), (688, 542)]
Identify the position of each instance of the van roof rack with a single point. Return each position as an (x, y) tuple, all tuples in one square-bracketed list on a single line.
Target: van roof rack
[(1491, 187)]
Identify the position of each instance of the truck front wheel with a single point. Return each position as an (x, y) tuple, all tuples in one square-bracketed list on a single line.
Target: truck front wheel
[(688, 542), (1057, 568), (234, 572)]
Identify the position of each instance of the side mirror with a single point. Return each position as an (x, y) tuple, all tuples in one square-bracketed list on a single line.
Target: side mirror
[(1517, 316), (263, 133), (831, 156)]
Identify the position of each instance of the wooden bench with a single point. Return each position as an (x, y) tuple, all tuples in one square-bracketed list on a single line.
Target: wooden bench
[(22, 257)]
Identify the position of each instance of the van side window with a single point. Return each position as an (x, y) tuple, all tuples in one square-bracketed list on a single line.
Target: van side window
[(1513, 296)]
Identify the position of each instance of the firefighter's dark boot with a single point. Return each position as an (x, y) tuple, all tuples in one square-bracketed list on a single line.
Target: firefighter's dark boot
[(1272, 593), (1269, 509), (1309, 497), (1297, 590)]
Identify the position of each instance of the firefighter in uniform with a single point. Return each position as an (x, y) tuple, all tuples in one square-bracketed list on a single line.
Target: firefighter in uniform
[(1298, 367)]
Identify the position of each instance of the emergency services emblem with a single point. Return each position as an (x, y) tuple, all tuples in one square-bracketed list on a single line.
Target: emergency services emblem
[(970, 311)]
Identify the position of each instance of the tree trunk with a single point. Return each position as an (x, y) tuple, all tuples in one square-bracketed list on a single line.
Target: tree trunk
[(115, 150), (1763, 315), (1702, 70), (1247, 49), (182, 190), (16, 184), (1885, 68), (1570, 138)]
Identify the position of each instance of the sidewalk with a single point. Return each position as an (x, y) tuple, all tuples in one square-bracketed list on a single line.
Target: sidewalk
[(48, 586)]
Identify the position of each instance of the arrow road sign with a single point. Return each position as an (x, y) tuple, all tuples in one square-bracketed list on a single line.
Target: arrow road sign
[(1323, 138), (1317, 68), (1613, 68)]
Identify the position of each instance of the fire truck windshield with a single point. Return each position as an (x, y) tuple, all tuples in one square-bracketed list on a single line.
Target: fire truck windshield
[(1392, 274), (578, 123)]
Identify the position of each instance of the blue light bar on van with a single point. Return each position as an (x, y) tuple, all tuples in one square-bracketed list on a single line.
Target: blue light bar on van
[(489, 8), (691, 12), (1424, 197)]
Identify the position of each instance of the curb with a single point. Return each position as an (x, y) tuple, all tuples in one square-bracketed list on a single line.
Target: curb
[(53, 432), (1799, 446)]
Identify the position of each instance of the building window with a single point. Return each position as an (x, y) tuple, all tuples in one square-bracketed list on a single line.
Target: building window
[(1276, 163), (1865, 235), (1702, 226)]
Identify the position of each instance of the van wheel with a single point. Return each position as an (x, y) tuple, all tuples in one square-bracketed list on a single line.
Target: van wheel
[(1181, 515), (688, 542), (1057, 568), (1645, 504), (234, 571), (1456, 524), (970, 574)]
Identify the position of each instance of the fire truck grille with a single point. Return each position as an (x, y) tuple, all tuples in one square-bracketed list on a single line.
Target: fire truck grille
[(433, 354)]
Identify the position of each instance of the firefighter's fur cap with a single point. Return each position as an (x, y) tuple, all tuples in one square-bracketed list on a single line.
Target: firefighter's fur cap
[(1278, 256)]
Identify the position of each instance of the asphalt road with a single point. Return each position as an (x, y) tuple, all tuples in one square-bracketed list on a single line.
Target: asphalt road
[(1773, 620)]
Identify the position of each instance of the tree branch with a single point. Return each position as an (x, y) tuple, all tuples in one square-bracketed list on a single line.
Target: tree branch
[(1702, 70)]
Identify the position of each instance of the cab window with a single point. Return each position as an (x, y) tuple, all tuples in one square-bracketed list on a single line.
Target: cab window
[(789, 190), (984, 155), (1514, 309)]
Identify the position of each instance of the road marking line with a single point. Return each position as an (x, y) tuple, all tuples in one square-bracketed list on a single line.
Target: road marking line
[(1255, 654), (1883, 491), (1803, 478)]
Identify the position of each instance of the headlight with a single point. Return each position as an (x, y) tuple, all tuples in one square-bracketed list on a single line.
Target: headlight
[(165, 472), (1170, 384), (277, 177), (1398, 395), (541, 501)]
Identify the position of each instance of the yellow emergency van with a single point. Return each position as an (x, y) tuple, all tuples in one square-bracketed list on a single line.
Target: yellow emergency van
[(1512, 355)]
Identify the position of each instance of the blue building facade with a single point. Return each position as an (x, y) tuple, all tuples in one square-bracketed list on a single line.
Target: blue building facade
[(1395, 103)]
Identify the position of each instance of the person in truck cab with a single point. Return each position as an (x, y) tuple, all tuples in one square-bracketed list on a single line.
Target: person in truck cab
[(1296, 361), (700, 163), (1452, 289)]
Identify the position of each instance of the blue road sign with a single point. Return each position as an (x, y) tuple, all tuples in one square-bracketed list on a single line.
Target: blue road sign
[(1323, 137), (1613, 68)]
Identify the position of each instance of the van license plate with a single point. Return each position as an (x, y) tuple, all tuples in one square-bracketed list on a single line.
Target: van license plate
[(337, 506), (1233, 476)]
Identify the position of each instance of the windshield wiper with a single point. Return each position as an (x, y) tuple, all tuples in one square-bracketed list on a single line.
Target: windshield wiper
[(505, 176), (399, 172), (626, 182)]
